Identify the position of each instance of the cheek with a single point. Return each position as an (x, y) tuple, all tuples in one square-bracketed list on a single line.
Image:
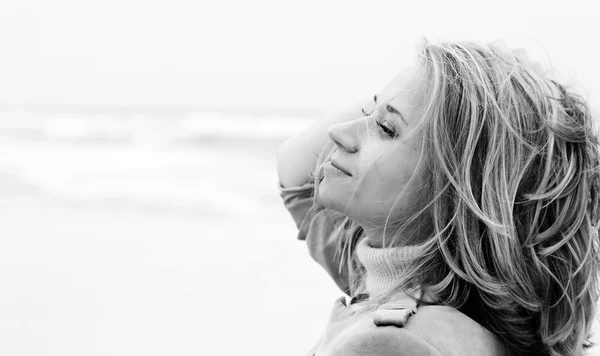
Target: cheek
[(383, 184), (389, 169)]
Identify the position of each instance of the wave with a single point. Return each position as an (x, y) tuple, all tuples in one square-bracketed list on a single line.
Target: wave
[(195, 128), (209, 161)]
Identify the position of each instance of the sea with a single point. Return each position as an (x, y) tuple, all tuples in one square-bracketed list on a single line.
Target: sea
[(129, 232), (152, 232), (214, 160)]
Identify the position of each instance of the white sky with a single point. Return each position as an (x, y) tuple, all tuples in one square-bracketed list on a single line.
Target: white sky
[(311, 54)]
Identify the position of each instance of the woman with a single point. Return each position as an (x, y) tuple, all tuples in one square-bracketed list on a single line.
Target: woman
[(458, 209)]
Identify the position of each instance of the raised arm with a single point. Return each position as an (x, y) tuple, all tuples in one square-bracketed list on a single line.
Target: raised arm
[(296, 160), (297, 156)]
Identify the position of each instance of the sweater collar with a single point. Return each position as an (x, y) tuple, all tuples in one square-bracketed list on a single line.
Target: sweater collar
[(383, 266)]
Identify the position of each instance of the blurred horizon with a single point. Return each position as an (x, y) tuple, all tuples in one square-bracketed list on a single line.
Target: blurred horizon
[(139, 195), (160, 110)]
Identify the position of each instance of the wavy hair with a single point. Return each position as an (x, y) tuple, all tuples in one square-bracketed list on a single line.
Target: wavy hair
[(509, 172)]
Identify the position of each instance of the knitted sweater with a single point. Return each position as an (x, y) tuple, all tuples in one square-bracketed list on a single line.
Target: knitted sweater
[(399, 327)]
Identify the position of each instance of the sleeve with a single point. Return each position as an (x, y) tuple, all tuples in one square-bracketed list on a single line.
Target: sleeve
[(320, 231)]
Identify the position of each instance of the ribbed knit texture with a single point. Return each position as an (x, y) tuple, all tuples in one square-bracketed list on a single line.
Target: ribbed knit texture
[(383, 265)]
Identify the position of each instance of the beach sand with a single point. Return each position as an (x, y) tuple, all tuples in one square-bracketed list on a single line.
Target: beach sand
[(87, 281), (120, 249)]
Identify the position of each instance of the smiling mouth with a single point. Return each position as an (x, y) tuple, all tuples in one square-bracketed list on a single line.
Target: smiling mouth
[(340, 169)]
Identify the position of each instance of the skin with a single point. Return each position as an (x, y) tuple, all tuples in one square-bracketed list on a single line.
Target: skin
[(379, 165)]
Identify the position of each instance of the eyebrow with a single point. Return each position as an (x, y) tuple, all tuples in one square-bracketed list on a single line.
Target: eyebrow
[(392, 110)]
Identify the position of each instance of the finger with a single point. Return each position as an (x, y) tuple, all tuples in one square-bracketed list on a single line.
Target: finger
[(500, 44), (523, 56), (502, 50)]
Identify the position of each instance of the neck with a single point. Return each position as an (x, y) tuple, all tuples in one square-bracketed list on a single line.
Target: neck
[(383, 266), (375, 236), (411, 233)]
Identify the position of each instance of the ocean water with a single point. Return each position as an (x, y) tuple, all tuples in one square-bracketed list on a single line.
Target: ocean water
[(197, 159), (139, 234)]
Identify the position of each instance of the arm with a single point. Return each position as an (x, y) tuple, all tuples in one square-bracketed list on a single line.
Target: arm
[(296, 160), (321, 230), (297, 156)]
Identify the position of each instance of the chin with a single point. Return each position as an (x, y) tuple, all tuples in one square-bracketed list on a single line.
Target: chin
[(327, 196), (334, 199)]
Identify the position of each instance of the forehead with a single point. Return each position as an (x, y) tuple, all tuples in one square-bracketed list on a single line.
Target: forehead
[(406, 92)]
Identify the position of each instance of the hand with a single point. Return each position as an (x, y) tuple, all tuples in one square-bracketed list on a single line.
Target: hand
[(518, 54)]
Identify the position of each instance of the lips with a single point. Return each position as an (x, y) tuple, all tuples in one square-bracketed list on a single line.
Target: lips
[(338, 166)]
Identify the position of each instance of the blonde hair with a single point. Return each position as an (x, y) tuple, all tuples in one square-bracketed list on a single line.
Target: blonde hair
[(510, 177)]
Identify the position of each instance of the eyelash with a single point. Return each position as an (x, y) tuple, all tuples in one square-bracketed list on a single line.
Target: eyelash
[(386, 130)]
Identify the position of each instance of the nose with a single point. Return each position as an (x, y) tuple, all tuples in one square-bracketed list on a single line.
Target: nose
[(345, 136)]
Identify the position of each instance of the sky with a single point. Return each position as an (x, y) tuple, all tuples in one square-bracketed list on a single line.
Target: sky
[(311, 54)]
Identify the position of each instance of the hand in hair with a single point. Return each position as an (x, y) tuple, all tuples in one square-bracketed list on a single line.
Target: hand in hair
[(518, 54)]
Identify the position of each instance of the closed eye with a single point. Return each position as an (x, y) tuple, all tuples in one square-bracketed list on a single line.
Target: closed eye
[(387, 130)]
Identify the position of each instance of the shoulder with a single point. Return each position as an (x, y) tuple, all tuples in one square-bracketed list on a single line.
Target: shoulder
[(384, 341), (447, 328), (433, 330)]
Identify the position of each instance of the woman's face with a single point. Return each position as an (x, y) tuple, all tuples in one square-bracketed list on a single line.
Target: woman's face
[(378, 161)]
